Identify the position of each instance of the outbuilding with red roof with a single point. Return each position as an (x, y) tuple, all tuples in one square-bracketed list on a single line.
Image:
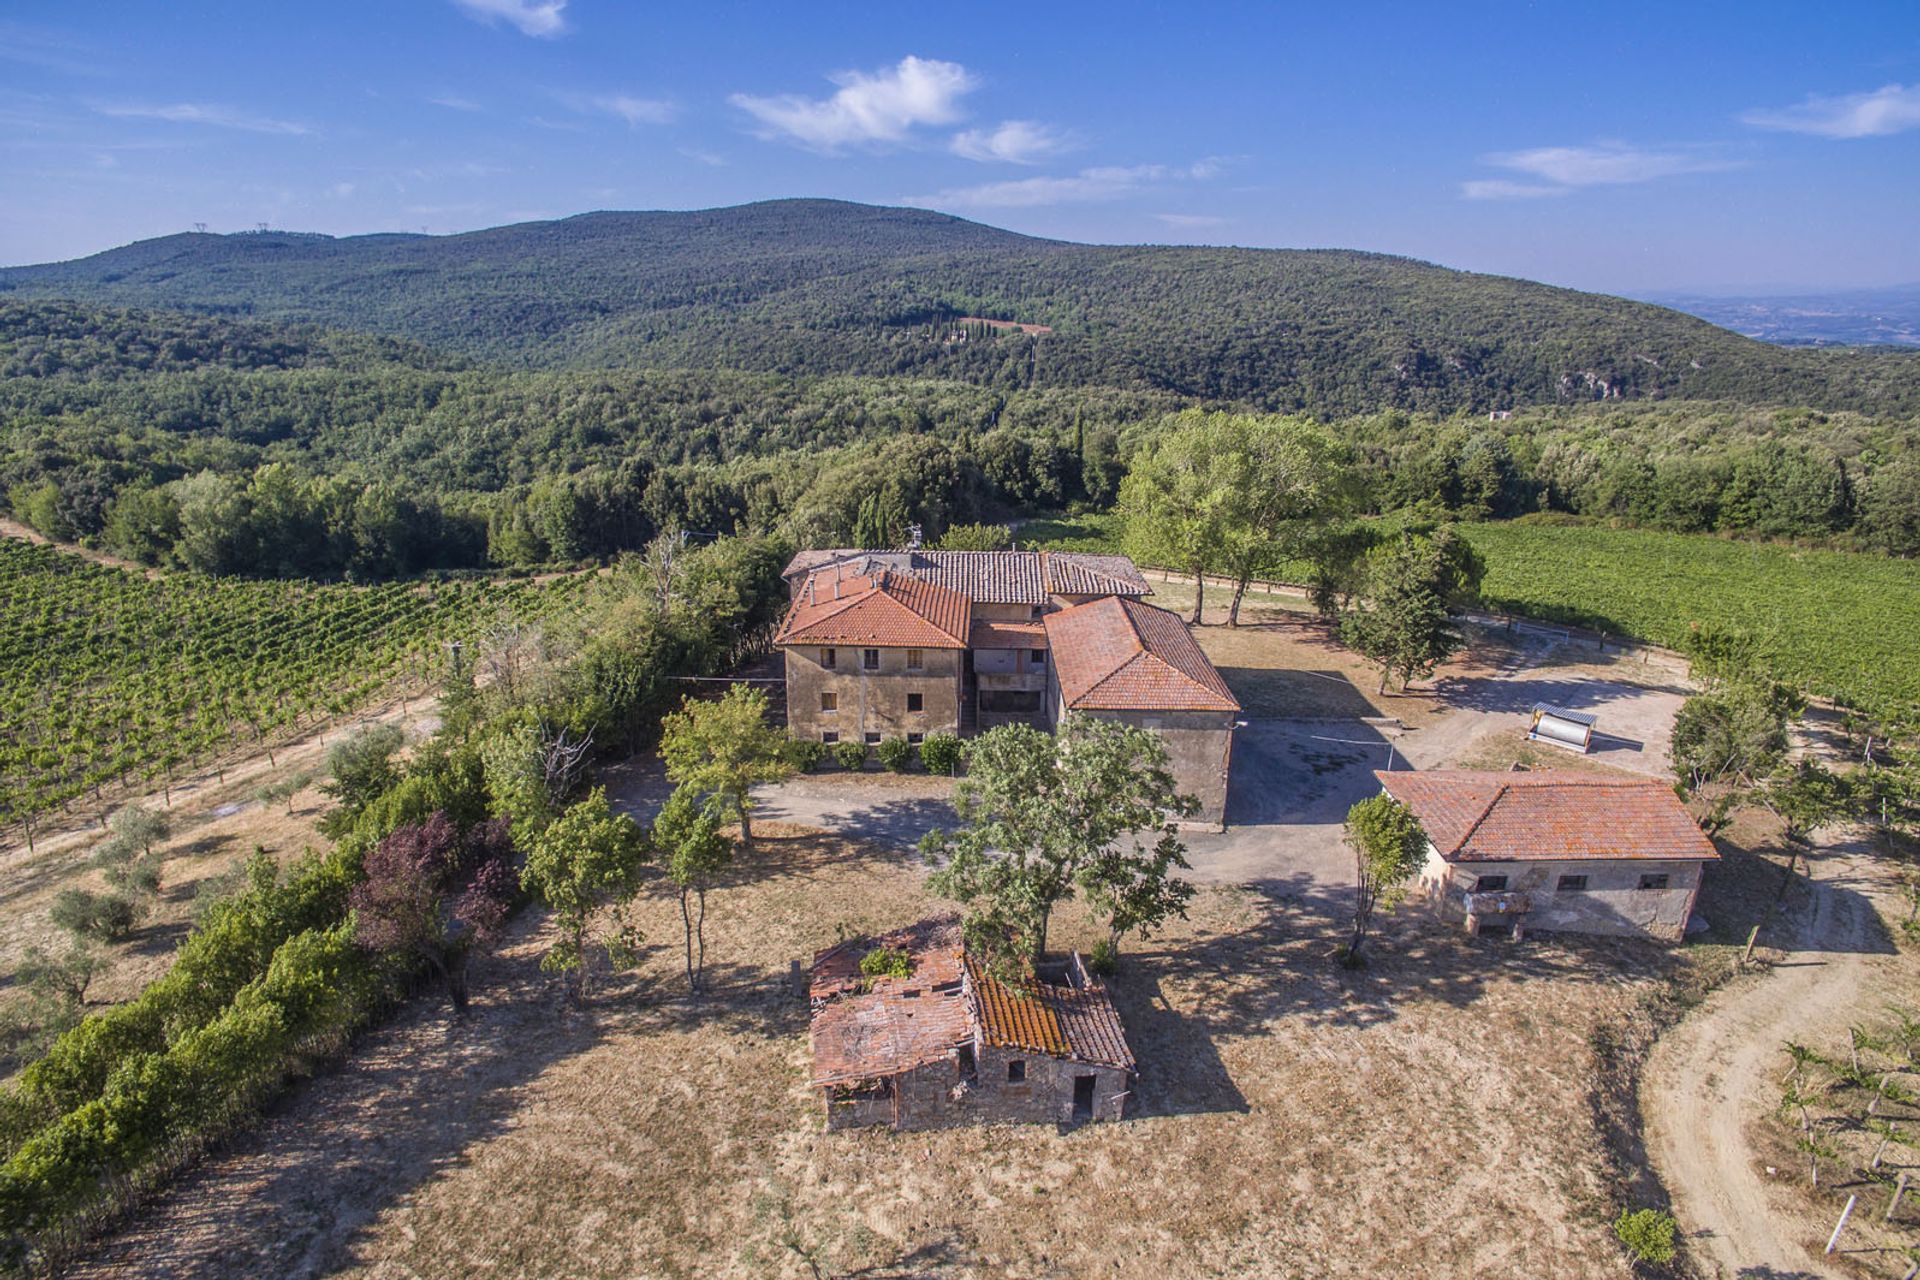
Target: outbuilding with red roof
[(1557, 849)]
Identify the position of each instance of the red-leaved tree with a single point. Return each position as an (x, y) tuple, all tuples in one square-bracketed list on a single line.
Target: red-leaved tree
[(436, 896)]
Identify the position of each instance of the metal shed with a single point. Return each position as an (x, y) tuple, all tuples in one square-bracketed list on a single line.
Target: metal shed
[(1561, 727)]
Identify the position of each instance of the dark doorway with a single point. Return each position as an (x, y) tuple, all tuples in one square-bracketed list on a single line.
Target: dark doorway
[(1083, 1097)]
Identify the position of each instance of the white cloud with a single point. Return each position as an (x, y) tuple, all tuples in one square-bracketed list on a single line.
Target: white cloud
[(1502, 189), (1891, 108), (1559, 171), (206, 113), (340, 190), (1192, 221), (1606, 164), (870, 107), (454, 103), (1089, 186), (1013, 142), (543, 19), (635, 111), (712, 159)]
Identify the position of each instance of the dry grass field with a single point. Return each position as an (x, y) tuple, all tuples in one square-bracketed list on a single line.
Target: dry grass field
[(1433, 1114)]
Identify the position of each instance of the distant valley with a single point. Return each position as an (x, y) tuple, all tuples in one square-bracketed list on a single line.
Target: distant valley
[(1847, 317)]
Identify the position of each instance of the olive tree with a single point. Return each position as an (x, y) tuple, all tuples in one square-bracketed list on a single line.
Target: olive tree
[(724, 748), (1092, 809), (1389, 848)]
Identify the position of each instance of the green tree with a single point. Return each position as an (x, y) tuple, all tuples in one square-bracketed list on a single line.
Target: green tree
[(516, 784), (585, 866), (687, 834), (976, 537), (1648, 1235), (1735, 735), (1404, 623), (1092, 808), (724, 748), (1283, 481), (362, 768), (882, 521), (1389, 848), (1175, 499)]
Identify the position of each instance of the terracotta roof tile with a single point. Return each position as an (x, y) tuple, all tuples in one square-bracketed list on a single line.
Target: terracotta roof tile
[(1007, 635), (1117, 654), (1547, 815), (1077, 573), (1012, 1019), (889, 610)]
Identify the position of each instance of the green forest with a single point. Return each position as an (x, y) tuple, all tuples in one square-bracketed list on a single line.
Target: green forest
[(813, 288)]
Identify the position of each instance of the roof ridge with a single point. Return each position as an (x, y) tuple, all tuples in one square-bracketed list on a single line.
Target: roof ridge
[(1499, 790)]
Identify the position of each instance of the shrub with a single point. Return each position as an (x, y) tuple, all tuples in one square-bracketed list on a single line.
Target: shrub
[(804, 754), (1647, 1234), (940, 753), (886, 962), (100, 916), (850, 755), (1104, 958), (896, 754)]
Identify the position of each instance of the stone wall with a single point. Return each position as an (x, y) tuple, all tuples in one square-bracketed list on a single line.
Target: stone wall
[(941, 1094), (1199, 748), (871, 702), (1612, 903)]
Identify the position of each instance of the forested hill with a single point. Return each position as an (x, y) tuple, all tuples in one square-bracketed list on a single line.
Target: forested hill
[(823, 287)]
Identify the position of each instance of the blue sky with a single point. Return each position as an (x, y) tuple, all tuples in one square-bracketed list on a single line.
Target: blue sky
[(1624, 147)]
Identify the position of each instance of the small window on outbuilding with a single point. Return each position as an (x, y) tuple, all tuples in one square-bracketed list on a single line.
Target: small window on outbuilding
[(1039, 610), (1490, 884), (828, 658), (916, 702), (1038, 657), (1572, 884), (1016, 1070), (1654, 880)]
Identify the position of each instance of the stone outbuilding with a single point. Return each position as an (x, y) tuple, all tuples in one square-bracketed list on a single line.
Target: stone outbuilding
[(1123, 659), (951, 1044), (1557, 850)]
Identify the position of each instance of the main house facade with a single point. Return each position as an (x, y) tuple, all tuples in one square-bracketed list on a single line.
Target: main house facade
[(949, 1043), (1555, 849), (906, 643)]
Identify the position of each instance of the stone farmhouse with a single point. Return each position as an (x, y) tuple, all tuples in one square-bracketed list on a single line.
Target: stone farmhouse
[(951, 1044), (883, 644), (1574, 852)]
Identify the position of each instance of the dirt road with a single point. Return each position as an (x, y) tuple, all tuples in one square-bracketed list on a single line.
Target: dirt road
[(1718, 1072)]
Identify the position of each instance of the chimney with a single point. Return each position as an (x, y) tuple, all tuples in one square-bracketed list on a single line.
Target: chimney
[(913, 537)]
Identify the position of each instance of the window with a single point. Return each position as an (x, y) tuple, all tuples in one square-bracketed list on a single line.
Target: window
[(829, 701), (916, 702), (870, 659), (827, 657), (1016, 1070), (915, 739), (873, 739), (1490, 884), (914, 661), (1572, 884), (1038, 657), (1658, 881), (829, 737), (1038, 610)]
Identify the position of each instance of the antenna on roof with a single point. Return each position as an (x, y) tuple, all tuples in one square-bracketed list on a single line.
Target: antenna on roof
[(200, 227), (259, 226)]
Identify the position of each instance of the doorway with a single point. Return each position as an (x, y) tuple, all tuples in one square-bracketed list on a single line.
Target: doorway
[(1083, 1097)]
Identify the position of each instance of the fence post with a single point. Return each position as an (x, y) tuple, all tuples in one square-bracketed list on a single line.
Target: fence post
[(1753, 936), (1899, 1189), (1841, 1225)]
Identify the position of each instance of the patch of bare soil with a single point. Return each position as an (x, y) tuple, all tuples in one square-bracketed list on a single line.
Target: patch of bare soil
[(1428, 1115), (1713, 1083)]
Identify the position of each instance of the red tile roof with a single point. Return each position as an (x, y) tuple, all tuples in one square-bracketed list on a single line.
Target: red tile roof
[(888, 610), (1115, 654), (870, 1028), (1007, 635), (991, 577), (1547, 816), (1076, 573)]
